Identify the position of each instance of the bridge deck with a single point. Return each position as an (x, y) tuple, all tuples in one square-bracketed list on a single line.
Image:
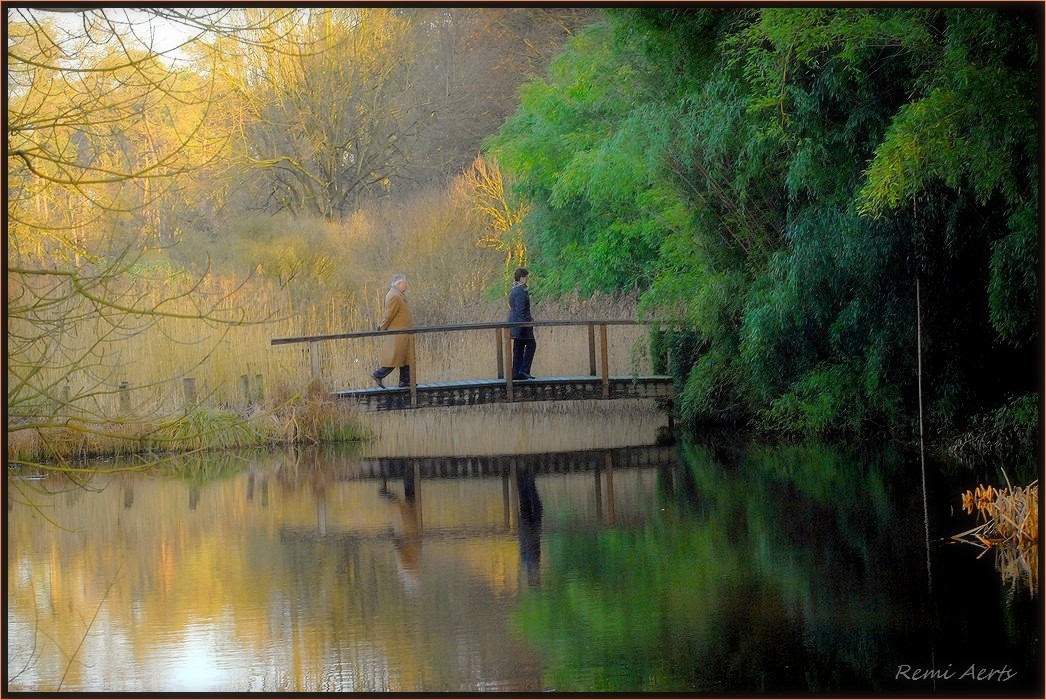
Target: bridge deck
[(487, 391)]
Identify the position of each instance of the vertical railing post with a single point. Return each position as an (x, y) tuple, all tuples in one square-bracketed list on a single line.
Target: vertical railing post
[(508, 364), (412, 359), (591, 350), (314, 358), (500, 353), (603, 353), (245, 382)]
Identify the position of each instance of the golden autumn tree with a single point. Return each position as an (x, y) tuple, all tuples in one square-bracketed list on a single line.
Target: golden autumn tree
[(102, 129)]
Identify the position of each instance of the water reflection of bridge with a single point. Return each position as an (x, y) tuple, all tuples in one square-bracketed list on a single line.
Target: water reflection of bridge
[(504, 465), (520, 501)]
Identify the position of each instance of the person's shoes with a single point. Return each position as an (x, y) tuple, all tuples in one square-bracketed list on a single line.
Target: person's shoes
[(378, 380), (520, 377), (527, 376), (404, 386)]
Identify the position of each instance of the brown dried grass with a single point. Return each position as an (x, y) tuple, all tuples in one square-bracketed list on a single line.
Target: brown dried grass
[(1009, 526)]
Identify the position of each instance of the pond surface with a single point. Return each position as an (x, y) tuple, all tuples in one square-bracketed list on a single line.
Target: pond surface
[(584, 558)]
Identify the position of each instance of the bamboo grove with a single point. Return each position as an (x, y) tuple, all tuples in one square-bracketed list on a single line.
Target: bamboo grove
[(784, 179)]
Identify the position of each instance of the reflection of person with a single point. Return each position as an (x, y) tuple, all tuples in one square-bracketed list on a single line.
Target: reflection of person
[(398, 350), (408, 541), (529, 527), (523, 342)]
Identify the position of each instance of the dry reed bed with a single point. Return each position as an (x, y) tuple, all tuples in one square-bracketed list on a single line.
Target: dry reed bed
[(246, 390), (1009, 526)]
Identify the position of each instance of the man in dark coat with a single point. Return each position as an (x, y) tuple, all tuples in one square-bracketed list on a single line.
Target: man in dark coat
[(397, 350), (523, 343)]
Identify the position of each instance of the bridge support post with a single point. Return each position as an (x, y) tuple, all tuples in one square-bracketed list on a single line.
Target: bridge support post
[(508, 371), (591, 350), (413, 373), (603, 355), (500, 353)]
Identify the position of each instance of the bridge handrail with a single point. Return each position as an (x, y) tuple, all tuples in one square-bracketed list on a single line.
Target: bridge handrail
[(501, 340), (464, 327)]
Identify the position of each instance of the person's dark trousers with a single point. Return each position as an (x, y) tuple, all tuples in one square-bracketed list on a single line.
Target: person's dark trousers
[(382, 372), (522, 356)]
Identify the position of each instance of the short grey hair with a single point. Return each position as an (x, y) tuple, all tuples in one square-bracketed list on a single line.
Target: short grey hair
[(396, 279)]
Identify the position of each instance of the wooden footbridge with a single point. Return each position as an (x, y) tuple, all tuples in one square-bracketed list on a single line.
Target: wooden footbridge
[(598, 384)]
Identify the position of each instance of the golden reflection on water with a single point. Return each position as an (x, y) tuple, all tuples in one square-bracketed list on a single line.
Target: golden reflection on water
[(287, 573), (520, 428)]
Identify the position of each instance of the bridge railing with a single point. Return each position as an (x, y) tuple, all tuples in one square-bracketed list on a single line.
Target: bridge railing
[(502, 343)]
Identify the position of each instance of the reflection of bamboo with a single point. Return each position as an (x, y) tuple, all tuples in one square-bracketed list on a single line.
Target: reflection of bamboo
[(610, 487)]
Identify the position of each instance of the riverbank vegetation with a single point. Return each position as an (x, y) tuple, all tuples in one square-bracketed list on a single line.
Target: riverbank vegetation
[(827, 196), (820, 198), (1008, 523)]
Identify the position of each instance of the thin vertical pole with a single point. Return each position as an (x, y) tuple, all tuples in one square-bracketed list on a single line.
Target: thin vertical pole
[(500, 353), (314, 358), (508, 372), (603, 353), (189, 392), (591, 350), (413, 373), (922, 447), (125, 397)]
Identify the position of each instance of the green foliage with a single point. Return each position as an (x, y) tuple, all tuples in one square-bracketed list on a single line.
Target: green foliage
[(779, 179), (1002, 435), (826, 402), (1014, 286)]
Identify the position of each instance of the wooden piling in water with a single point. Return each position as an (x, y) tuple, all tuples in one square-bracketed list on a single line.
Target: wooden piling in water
[(189, 392), (125, 397)]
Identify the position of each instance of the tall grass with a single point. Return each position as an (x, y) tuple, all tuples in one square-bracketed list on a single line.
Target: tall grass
[(324, 278)]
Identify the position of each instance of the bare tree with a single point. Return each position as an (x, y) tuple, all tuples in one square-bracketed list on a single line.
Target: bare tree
[(335, 114), (100, 127)]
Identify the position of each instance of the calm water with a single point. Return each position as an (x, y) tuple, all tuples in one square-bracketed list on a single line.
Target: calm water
[(584, 558)]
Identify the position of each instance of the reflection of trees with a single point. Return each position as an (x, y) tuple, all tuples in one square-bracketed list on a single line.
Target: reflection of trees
[(783, 570)]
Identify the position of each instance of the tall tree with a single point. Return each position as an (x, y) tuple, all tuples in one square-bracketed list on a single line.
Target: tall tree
[(98, 129), (331, 114)]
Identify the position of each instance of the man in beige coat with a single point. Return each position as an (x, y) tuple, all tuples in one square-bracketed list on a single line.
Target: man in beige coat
[(398, 350)]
